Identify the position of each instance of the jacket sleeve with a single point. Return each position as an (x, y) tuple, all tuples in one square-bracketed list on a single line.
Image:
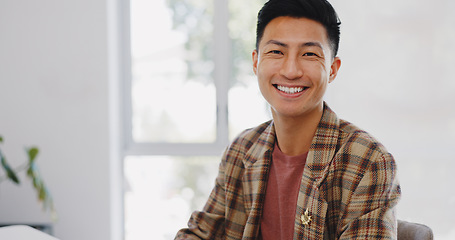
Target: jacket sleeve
[(370, 211), (209, 223)]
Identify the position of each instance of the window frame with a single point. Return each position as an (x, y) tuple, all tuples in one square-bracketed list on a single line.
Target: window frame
[(222, 75)]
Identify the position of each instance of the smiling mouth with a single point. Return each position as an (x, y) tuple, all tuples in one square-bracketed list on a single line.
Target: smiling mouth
[(290, 90)]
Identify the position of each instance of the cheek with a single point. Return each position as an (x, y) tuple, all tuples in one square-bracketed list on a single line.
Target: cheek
[(319, 72), (264, 72), (263, 83)]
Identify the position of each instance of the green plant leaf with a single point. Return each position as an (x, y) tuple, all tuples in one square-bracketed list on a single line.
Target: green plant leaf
[(9, 171), (32, 173), (32, 170), (32, 153), (43, 194)]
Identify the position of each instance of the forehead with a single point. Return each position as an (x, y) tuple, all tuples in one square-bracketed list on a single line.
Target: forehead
[(292, 30)]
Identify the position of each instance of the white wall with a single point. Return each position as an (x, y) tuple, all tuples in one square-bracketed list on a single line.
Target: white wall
[(396, 81), (55, 93)]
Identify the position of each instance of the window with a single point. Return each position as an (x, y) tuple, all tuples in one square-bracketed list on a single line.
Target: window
[(190, 89)]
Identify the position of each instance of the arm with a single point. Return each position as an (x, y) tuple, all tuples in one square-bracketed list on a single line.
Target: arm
[(369, 213)]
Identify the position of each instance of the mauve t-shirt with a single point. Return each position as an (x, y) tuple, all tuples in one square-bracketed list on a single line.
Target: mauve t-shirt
[(278, 214)]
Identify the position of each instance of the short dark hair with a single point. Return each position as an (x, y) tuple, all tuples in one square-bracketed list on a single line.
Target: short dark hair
[(317, 10)]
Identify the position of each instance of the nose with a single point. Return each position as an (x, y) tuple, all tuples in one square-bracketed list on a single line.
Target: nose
[(291, 68)]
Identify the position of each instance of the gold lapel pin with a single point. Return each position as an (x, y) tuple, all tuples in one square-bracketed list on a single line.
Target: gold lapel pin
[(305, 218)]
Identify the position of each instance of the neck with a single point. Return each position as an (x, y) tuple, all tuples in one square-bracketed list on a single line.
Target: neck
[(295, 134)]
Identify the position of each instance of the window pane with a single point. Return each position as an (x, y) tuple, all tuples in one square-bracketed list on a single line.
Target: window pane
[(162, 192), (173, 93), (247, 108)]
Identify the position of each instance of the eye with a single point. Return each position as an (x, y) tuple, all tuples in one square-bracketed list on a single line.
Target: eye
[(276, 52), (310, 54)]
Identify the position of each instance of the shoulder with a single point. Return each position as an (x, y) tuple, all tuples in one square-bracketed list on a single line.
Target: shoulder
[(249, 137), (361, 145), (347, 138), (252, 141), (351, 134)]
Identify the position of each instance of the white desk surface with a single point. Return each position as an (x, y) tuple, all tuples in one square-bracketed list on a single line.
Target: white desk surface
[(22, 232)]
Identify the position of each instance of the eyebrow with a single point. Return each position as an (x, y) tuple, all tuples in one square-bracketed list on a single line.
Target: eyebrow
[(305, 44)]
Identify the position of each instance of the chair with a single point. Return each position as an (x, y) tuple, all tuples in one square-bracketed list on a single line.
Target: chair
[(23, 232), (413, 231)]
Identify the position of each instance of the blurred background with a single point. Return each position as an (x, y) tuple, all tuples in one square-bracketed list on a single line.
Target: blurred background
[(133, 102)]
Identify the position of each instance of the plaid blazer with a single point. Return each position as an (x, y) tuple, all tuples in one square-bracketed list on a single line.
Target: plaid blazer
[(348, 189)]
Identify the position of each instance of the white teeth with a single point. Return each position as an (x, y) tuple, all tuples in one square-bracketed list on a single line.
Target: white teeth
[(290, 90)]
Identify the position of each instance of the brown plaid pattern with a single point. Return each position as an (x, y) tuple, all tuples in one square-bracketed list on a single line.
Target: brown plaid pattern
[(349, 187)]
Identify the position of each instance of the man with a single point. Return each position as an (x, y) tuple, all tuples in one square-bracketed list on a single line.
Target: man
[(306, 174)]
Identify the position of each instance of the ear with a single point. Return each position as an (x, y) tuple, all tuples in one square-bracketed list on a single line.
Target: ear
[(334, 69), (255, 61)]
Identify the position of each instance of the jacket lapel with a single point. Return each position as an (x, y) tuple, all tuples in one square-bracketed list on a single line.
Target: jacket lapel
[(311, 204), (257, 164)]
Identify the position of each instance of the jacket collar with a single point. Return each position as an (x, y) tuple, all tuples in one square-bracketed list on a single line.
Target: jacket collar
[(262, 146), (322, 148), (324, 145)]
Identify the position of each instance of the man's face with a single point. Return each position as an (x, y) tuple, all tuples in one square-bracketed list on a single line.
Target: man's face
[(294, 65)]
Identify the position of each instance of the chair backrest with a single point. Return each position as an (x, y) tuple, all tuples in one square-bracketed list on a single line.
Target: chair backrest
[(16, 232), (413, 231)]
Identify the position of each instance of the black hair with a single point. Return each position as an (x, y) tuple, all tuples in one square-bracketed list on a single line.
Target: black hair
[(317, 10)]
